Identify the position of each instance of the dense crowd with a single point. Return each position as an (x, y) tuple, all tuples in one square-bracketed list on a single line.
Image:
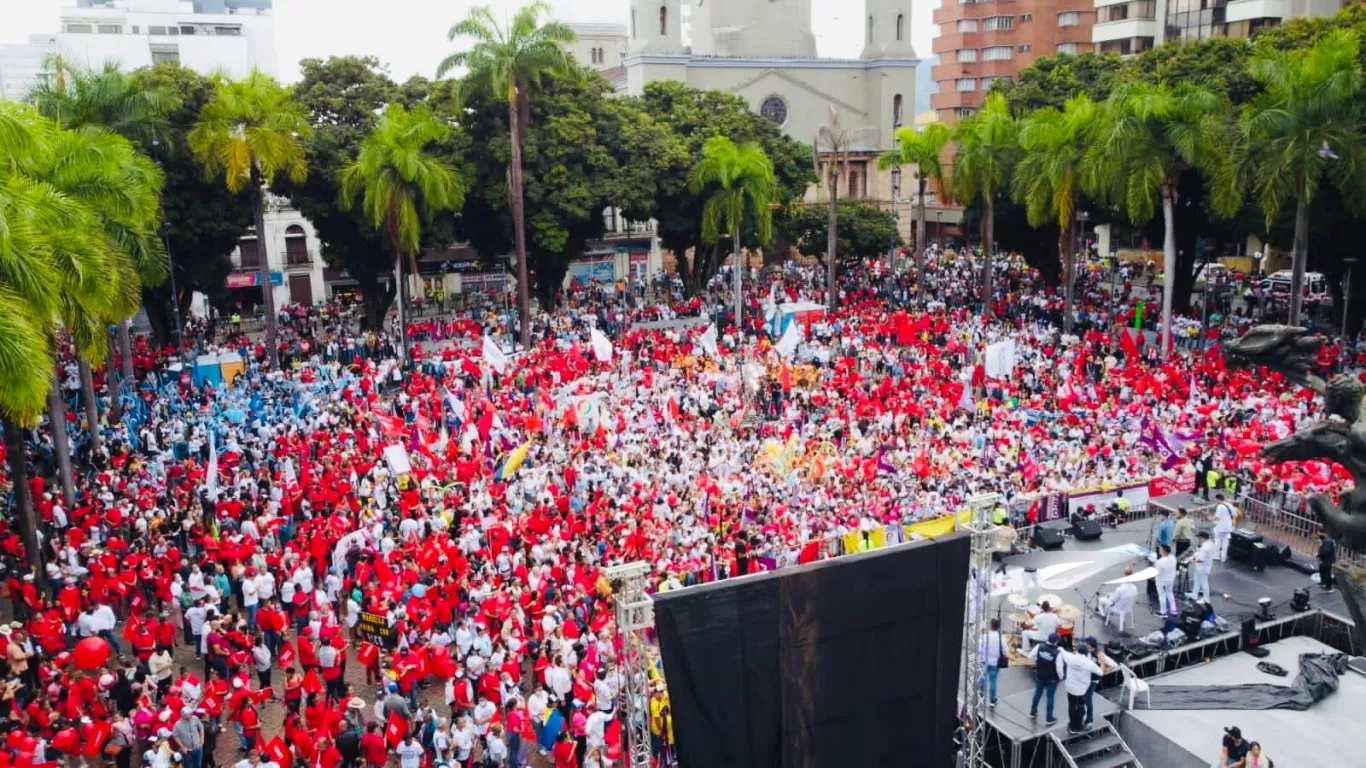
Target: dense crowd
[(261, 559)]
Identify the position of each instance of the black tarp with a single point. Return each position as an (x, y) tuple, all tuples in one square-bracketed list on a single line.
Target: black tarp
[(1318, 678), (851, 661)]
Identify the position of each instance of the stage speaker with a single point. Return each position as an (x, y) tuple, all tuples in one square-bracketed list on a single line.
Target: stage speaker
[(1248, 547), (1251, 640), (1048, 537), (1086, 530), (1191, 626), (1299, 601)]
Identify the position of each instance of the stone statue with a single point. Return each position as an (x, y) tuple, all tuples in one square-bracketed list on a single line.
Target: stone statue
[(1341, 438)]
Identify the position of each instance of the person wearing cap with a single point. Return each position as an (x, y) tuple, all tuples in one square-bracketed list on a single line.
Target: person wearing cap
[(1235, 749), (188, 733), (1075, 671), (1201, 563), (1046, 675)]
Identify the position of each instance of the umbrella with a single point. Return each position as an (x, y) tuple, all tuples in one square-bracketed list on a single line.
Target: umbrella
[(512, 462)]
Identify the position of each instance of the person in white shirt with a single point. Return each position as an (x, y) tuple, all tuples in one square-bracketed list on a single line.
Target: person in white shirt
[(1075, 670), (1202, 561), (1122, 600), (496, 749), (409, 752), (483, 714), (596, 728), (251, 597), (1165, 562), (1045, 624), (1223, 526), (992, 649), (603, 693)]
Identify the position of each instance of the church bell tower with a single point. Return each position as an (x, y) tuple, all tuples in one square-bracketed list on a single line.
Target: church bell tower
[(887, 30), (656, 26)]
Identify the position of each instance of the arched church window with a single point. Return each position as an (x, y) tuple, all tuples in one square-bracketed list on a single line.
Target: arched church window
[(870, 29), (663, 20), (900, 26), (896, 109)]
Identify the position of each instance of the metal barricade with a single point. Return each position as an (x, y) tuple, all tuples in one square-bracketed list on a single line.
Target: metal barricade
[(1286, 518)]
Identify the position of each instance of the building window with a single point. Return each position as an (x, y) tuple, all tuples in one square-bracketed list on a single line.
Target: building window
[(186, 29), (135, 29), (633, 23), (900, 27), (663, 20), (966, 84), (1026, 17), (228, 31), (853, 190), (870, 29), (111, 29), (156, 30), (963, 113), (996, 53), (251, 256), (997, 23), (79, 29), (296, 245), (1067, 48), (1069, 18), (967, 25), (967, 55), (162, 53), (1024, 48), (896, 109), (987, 81)]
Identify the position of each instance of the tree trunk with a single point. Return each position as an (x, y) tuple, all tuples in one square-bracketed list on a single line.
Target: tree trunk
[(402, 302), (263, 257), (1168, 266), (125, 349), (1299, 259), (92, 407), (61, 446), (988, 236), (919, 233), (1068, 256), (112, 381), (17, 460), (739, 277), (831, 238), (519, 218)]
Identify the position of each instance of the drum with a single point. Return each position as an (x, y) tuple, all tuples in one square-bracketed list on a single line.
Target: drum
[(1066, 631)]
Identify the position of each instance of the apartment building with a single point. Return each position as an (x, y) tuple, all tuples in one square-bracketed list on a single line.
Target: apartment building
[(1128, 27), (981, 41)]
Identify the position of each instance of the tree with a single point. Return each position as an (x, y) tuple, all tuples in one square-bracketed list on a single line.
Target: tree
[(1051, 80), (203, 220), (508, 63), (1047, 178), (925, 150), (987, 149), (249, 131), (837, 140), (865, 230), (344, 96), (1306, 127), (738, 183), (693, 117), (1146, 137), (399, 183)]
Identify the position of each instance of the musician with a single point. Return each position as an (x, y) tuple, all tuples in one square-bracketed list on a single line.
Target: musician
[(1165, 562), (1043, 625)]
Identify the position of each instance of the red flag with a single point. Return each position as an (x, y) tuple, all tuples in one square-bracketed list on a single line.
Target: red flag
[(395, 729), (279, 752), (1128, 344), (810, 553), (312, 684)]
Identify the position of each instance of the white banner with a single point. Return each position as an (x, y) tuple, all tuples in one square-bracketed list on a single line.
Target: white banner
[(396, 456), (602, 347), (787, 345), (708, 341), (493, 355), (1000, 359)]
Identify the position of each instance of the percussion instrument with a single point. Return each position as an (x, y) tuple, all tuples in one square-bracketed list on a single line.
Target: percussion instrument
[(1017, 600), (1069, 613), (1053, 600)]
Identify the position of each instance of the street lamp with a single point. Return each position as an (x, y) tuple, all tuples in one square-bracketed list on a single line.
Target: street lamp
[(1350, 261), (939, 230), (896, 193)]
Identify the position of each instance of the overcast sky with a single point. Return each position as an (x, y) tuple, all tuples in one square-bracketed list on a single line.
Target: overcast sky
[(410, 35)]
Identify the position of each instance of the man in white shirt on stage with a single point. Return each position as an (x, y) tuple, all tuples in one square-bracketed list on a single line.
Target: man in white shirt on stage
[(1223, 527), (1045, 624), (1202, 562)]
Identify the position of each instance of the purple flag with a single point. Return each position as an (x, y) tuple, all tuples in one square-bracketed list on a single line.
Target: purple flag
[(1154, 438)]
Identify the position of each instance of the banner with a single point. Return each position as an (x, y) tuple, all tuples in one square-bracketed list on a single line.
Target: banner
[(1137, 495), (602, 347), (493, 355), (396, 456), (708, 341), (374, 628), (1164, 486), (1155, 439), (787, 345), (1000, 359)]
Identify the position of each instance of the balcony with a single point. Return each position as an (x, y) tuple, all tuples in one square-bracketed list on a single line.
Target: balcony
[(1123, 30), (994, 68), (952, 99), (1249, 10), (950, 11), (952, 41)]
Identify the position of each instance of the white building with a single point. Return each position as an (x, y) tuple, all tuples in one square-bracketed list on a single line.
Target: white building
[(21, 66), (295, 255), (1129, 27)]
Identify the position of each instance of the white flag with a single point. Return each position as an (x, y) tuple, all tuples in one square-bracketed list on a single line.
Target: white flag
[(787, 345), (602, 346), (213, 468), (494, 356), (708, 341)]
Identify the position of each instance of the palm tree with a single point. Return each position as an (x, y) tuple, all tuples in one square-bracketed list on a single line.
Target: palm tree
[(987, 148), (1047, 178), (923, 149), (837, 139), (75, 97), (742, 184), (1305, 127), (120, 188), (52, 254), (1145, 137), (249, 132), (506, 62), (401, 183)]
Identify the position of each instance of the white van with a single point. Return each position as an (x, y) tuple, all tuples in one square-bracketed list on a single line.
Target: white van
[(1277, 286)]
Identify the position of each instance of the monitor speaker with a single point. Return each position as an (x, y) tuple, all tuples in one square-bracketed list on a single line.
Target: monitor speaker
[(1086, 530)]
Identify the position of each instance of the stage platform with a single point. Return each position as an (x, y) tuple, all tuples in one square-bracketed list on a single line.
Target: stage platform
[(1080, 569), (1011, 716), (1327, 735)]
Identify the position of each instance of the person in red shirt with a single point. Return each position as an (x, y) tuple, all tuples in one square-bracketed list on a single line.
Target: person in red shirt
[(564, 750), (373, 748)]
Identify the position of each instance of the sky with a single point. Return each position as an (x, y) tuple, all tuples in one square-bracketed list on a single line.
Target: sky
[(410, 35)]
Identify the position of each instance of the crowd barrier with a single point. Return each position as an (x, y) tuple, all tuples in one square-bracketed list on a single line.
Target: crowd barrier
[(1286, 518)]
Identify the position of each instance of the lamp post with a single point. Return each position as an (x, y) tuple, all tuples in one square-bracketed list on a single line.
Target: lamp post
[(1350, 261), (939, 229), (170, 263), (896, 193)]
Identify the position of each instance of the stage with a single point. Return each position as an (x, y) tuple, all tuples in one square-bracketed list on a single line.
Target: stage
[(1078, 572)]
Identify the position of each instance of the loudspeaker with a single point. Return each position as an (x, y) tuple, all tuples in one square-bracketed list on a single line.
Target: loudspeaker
[(1048, 537), (1191, 626), (1086, 530), (1248, 547)]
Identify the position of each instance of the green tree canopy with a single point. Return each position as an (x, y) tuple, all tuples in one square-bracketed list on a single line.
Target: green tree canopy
[(865, 230)]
